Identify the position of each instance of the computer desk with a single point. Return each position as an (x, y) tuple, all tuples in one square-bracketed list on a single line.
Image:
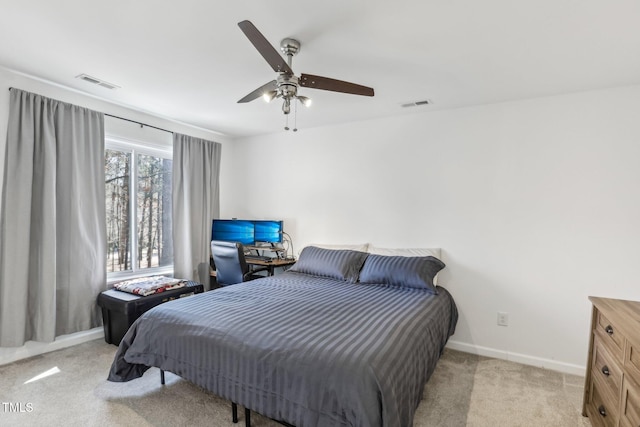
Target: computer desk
[(271, 264)]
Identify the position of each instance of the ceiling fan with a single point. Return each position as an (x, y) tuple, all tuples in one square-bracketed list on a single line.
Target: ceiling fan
[(286, 84)]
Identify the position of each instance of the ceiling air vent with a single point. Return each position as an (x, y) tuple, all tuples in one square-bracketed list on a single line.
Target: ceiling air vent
[(96, 81), (417, 103)]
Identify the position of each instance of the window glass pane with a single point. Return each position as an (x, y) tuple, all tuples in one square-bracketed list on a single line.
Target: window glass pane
[(117, 175), (155, 244)]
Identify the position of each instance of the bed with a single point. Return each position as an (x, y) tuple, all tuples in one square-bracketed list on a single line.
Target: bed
[(338, 341)]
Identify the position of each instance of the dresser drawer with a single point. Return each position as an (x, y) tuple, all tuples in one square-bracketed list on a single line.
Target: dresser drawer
[(632, 361), (610, 336), (630, 409), (601, 412), (607, 370)]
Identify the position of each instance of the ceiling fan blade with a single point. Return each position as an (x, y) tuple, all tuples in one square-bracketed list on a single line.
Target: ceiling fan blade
[(325, 83), (259, 92), (268, 52)]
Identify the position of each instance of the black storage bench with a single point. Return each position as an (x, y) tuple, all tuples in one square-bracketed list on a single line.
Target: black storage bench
[(121, 309)]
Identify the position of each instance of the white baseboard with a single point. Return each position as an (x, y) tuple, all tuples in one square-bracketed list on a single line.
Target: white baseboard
[(32, 348), (524, 359)]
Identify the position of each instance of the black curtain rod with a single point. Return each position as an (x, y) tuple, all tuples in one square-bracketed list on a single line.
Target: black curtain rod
[(129, 120), (140, 123)]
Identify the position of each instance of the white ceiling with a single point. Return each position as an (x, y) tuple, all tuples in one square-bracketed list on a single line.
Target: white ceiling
[(189, 61)]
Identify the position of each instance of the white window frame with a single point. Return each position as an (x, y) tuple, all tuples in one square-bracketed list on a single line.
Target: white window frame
[(134, 148)]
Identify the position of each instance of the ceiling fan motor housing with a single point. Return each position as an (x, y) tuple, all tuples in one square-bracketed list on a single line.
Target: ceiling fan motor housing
[(287, 85)]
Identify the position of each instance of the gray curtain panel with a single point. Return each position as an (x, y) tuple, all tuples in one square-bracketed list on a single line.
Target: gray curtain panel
[(52, 223), (196, 201)]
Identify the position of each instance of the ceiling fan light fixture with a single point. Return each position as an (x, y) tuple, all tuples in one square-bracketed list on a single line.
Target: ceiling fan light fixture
[(269, 96), (286, 105), (306, 101)]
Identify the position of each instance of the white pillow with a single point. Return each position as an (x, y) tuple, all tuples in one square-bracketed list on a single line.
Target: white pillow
[(409, 252), (435, 252), (362, 247)]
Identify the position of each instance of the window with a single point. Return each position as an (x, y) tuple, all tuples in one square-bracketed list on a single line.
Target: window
[(138, 203)]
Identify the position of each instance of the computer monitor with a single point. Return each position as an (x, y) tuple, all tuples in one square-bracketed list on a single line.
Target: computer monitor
[(268, 231), (233, 230), (247, 232)]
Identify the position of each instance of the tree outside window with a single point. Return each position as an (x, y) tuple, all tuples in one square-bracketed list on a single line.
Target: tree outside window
[(143, 244)]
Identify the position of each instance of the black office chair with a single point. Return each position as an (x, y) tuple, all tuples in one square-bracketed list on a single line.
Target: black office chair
[(231, 266)]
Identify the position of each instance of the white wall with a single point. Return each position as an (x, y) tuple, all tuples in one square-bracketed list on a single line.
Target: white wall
[(535, 204), (144, 135)]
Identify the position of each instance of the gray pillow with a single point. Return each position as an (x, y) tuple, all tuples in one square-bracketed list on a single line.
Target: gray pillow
[(409, 272), (337, 264)]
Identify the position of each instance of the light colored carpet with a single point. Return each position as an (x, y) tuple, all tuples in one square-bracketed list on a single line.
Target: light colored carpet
[(465, 390)]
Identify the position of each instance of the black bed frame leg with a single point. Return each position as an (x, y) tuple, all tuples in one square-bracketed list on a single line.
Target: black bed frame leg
[(161, 377), (234, 415), (234, 412)]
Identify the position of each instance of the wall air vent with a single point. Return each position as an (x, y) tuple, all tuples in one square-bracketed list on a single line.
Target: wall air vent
[(96, 81), (417, 103)]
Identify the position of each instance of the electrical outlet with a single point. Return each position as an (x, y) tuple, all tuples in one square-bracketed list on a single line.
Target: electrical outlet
[(503, 318)]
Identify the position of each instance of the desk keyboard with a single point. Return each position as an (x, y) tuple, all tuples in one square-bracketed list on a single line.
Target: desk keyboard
[(258, 258)]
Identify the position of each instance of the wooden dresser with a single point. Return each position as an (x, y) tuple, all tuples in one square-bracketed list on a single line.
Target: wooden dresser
[(612, 384)]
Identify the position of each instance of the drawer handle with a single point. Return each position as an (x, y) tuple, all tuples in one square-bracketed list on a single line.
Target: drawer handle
[(605, 370), (609, 330), (602, 411)]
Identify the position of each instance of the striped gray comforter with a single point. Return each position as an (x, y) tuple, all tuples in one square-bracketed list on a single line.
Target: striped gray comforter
[(302, 349)]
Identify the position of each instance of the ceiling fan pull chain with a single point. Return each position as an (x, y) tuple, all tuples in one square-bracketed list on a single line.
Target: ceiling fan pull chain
[(286, 122), (295, 117)]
